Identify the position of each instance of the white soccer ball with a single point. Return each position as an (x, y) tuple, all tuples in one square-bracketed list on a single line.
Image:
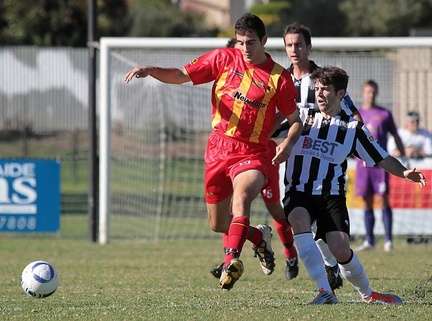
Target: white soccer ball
[(39, 279)]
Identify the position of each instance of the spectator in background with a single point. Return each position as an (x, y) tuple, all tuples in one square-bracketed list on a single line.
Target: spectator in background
[(417, 141), (371, 181)]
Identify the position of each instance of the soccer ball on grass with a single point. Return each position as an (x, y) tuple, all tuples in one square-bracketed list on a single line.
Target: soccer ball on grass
[(39, 279)]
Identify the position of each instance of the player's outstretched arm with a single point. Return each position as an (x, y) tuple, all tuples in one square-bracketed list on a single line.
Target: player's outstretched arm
[(166, 75), (393, 166)]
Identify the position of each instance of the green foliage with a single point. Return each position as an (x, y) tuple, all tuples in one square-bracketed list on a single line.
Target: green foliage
[(45, 22), (111, 17), (385, 18), (273, 14), (64, 22), (348, 18), (323, 17), (425, 20), (163, 19), (3, 23), (170, 280), (273, 7), (58, 22)]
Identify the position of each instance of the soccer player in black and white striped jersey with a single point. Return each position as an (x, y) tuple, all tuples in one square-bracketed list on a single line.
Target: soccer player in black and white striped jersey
[(316, 184), (298, 44)]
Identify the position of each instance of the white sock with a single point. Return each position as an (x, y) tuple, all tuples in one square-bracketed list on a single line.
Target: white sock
[(328, 257), (354, 273), (312, 259)]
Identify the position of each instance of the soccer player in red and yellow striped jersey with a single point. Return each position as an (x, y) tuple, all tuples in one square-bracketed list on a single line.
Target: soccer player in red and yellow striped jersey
[(271, 197), (248, 88)]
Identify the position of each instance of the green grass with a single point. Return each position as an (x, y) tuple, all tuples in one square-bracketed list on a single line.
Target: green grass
[(169, 280), (74, 176)]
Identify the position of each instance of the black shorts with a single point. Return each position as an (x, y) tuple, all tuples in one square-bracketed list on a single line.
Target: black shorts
[(329, 211)]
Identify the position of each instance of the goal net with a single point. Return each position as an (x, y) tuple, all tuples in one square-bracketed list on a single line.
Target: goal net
[(153, 135)]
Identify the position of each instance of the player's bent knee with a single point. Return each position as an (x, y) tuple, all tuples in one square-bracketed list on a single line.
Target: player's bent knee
[(219, 227)]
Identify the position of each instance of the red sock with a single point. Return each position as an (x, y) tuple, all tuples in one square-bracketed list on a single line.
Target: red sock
[(255, 235), (225, 242), (286, 236), (237, 235)]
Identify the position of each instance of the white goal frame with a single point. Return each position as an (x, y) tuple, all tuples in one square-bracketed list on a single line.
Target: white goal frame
[(106, 44)]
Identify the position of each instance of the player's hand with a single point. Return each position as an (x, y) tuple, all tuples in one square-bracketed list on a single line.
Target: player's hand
[(138, 72), (414, 176), (282, 153)]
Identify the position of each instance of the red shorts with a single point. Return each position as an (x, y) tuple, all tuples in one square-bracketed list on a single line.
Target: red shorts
[(271, 192), (224, 159)]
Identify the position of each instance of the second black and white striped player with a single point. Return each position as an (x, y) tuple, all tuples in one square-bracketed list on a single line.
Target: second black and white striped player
[(316, 184), (298, 45)]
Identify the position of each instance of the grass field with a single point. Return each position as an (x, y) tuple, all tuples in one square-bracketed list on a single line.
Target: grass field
[(170, 280)]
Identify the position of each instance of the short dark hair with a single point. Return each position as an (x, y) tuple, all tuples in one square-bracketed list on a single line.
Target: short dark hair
[(331, 75), (371, 83), (297, 28), (249, 22)]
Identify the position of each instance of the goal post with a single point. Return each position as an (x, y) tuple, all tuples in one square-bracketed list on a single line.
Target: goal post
[(152, 135)]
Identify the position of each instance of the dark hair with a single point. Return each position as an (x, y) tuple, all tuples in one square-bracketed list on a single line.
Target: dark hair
[(249, 22), (413, 115), (231, 43), (296, 28), (371, 83), (331, 75)]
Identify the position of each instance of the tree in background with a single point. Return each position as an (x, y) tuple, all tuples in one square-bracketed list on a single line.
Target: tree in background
[(57, 22), (274, 15), (348, 18), (161, 18), (323, 17), (64, 22), (370, 18), (3, 23)]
